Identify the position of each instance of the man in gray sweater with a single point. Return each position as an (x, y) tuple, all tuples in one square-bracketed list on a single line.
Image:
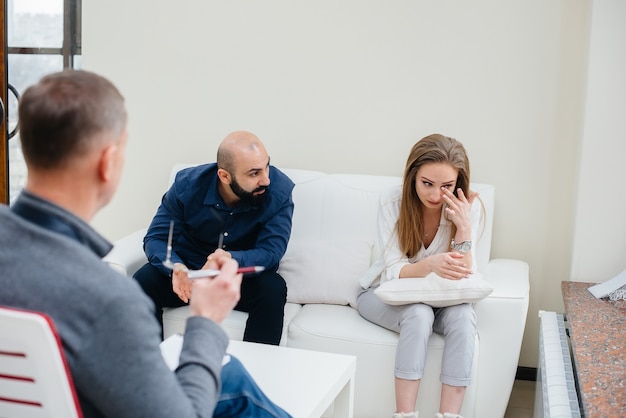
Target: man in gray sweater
[(73, 133)]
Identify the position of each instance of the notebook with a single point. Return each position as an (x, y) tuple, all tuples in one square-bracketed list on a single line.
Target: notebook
[(604, 289)]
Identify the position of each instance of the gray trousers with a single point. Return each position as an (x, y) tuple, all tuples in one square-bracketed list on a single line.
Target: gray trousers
[(415, 323)]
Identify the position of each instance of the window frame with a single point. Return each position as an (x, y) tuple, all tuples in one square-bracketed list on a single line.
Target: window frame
[(70, 49), (72, 37)]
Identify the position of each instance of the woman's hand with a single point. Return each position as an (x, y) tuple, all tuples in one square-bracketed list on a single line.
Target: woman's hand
[(450, 265), (459, 209)]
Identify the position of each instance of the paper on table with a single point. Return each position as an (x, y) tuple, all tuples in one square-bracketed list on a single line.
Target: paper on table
[(603, 289), (170, 350)]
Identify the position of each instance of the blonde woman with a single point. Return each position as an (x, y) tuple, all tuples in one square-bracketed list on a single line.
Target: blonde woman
[(429, 225)]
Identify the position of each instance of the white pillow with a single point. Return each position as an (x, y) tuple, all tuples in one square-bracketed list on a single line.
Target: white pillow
[(325, 271), (434, 290)]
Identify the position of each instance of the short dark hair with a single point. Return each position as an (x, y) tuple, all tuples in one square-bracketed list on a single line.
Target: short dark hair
[(64, 115)]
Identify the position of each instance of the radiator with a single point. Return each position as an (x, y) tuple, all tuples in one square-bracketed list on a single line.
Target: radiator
[(555, 393)]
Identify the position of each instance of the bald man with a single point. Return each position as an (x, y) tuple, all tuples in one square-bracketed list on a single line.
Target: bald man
[(239, 207)]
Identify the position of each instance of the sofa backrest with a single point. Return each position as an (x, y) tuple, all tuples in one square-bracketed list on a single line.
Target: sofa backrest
[(336, 206)]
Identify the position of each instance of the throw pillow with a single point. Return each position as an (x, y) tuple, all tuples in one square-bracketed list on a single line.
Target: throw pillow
[(325, 271), (434, 290)]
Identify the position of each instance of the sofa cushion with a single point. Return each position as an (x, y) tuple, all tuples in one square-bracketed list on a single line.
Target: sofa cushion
[(175, 320), (325, 271), (434, 290)]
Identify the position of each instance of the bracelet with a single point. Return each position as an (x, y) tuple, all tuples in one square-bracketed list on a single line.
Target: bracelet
[(462, 247)]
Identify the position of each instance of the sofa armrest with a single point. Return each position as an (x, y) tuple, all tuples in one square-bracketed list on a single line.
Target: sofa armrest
[(501, 322), (127, 255)]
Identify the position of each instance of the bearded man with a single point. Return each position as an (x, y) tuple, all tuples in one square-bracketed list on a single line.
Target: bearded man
[(239, 207)]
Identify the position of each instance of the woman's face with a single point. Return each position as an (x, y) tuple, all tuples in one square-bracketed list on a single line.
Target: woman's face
[(429, 181)]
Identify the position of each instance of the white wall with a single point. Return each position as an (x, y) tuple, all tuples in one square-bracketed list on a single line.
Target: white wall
[(599, 250), (349, 86)]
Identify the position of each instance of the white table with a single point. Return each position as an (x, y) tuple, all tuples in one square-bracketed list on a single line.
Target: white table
[(304, 383)]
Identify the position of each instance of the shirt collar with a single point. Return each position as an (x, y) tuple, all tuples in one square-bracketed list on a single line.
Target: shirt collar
[(214, 198), (54, 218)]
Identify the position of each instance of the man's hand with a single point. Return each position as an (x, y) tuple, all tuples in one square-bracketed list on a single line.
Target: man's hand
[(215, 298), (181, 284), (219, 253)]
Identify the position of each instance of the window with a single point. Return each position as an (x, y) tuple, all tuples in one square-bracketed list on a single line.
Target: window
[(43, 36)]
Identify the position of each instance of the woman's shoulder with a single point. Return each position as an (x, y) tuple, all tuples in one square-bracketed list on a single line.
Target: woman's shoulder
[(478, 207)]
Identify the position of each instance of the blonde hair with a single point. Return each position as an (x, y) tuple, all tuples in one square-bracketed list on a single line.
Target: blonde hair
[(434, 148)]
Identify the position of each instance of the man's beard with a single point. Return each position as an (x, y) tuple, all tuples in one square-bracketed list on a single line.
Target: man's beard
[(246, 196)]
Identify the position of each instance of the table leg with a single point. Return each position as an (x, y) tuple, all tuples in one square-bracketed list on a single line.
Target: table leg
[(344, 402)]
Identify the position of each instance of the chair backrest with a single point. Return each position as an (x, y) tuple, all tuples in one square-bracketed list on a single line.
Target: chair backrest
[(34, 378)]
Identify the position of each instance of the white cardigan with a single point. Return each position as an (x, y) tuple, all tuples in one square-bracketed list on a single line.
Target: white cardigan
[(392, 259)]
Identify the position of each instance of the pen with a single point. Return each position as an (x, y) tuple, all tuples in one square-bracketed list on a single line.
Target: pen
[(196, 274)]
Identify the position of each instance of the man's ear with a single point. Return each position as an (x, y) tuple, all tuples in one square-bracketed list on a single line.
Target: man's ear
[(106, 165), (224, 176)]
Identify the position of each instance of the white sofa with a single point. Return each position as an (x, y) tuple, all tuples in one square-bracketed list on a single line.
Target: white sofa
[(331, 246)]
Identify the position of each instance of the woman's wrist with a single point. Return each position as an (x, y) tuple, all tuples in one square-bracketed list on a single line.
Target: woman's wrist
[(419, 269), (463, 233), (462, 247)]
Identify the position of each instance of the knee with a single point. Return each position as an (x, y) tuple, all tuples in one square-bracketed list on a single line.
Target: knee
[(233, 370), (419, 312), (234, 376), (273, 289), (419, 318), (464, 313), (145, 276), (150, 279), (461, 317)]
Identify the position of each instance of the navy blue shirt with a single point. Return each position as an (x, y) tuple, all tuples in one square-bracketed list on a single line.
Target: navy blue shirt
[(255, 235)]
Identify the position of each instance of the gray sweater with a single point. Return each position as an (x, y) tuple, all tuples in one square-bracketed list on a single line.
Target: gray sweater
[(106, 323)]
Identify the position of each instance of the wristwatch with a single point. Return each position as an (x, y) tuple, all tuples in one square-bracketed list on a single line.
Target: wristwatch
[(462, 247)]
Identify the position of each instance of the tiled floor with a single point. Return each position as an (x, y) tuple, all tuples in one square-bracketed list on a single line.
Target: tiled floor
[(522, 401)]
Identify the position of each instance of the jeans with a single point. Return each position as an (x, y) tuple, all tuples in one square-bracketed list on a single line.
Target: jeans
[(241, 397)]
